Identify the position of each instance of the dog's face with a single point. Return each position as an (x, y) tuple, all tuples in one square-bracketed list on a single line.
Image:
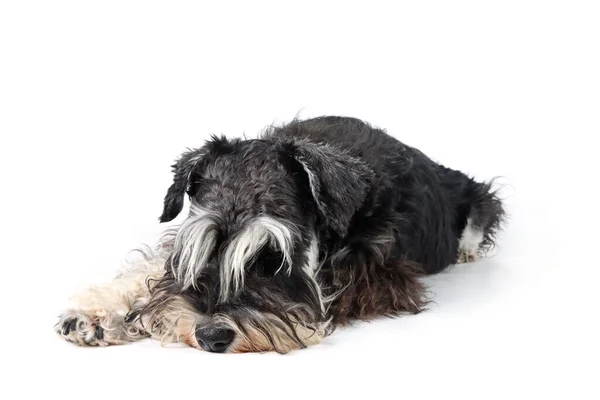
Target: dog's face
[(246, 259)]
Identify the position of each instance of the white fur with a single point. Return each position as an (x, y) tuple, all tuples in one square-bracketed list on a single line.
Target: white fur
[(247, 243), (468, 247), (312, 255), (194, 244), (196, 240), (471, 237), (105, 306), (311, 269)]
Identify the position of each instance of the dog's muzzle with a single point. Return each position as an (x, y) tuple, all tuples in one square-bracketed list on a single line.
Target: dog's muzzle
[(214, 339)]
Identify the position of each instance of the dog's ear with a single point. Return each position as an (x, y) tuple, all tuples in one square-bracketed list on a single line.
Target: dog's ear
[(186, 174), (182, 172), (339, 183)]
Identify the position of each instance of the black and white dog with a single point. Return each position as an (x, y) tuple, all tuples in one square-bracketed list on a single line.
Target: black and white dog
[(310, 226)]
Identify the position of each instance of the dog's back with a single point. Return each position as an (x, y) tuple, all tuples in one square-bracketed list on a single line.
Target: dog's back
[(445, 216)]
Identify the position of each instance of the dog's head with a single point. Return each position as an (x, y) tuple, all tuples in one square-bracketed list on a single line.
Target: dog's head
[(246, 259)]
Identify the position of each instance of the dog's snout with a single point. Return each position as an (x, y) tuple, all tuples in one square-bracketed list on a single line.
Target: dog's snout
[(214, 339)]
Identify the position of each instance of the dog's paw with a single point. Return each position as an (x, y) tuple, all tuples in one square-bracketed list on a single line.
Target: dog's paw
[(467, 256), (82, 329)]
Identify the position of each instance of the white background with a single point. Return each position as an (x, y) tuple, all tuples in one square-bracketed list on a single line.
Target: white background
[(98, 98)]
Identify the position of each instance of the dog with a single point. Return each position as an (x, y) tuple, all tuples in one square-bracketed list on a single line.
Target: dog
[(314, 224)]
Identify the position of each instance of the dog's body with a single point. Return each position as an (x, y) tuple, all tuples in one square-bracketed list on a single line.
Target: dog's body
[(312, 225)]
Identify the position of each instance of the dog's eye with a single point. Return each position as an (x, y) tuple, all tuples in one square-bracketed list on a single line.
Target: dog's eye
[(268, 261)]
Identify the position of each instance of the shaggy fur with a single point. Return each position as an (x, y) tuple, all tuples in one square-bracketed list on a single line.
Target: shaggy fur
[(312, 225)]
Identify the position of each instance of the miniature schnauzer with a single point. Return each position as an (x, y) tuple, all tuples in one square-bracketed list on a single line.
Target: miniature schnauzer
[(312, 225)]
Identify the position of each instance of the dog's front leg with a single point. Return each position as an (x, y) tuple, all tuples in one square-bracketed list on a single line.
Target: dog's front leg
[(98, 315)]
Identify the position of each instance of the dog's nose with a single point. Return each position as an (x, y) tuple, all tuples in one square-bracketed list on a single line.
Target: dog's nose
[(214, 339)]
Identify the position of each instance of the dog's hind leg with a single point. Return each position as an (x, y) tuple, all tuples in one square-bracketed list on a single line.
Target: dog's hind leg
[(483, 223), (99, 315), (469, 244)]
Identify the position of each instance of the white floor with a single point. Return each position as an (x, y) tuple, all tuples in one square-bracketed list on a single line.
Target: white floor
[(98, 100)]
